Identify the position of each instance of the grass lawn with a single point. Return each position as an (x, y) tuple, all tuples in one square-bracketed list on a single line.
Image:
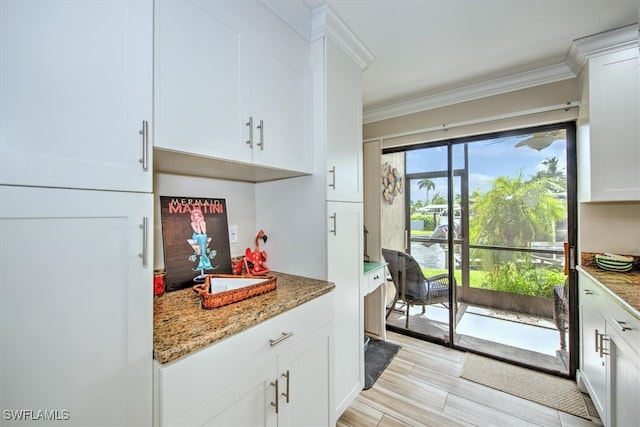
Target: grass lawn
[(475, 277)]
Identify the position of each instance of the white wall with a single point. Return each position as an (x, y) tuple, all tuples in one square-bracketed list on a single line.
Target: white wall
[(239, 197), (610, 227)]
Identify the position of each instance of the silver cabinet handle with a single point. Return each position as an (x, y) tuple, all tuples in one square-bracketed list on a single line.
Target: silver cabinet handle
[(588, 292), (277, 341), (332, 171), (275, 404), (145, 145), (334, 217), (145, 244), (603, 351), (250, 124), (286, 394), (261, 127), (597, 340), (622, 325)]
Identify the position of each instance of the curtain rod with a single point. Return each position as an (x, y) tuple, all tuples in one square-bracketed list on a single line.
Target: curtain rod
[(447, 126)]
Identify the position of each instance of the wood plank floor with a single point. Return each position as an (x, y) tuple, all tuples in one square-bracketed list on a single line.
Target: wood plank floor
[(421, 387)]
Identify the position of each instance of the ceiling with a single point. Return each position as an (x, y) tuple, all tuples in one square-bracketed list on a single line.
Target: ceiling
[(427, 47)]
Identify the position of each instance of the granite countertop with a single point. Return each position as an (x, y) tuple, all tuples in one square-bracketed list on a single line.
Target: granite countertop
[(626, 286), (181, 326)]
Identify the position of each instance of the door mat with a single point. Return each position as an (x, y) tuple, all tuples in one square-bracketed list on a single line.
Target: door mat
[(555, 392), (377, 357)]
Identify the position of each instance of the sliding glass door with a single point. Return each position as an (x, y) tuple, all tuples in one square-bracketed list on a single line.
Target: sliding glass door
[(493, 213)]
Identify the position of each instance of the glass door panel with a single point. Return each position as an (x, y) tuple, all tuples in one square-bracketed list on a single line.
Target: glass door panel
[(501, 204)]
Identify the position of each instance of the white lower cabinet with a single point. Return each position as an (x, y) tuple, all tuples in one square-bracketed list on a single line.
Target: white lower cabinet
[(610, 362), (624, 384), (345, 243), (277, 373), (75, 307), (593, 370)]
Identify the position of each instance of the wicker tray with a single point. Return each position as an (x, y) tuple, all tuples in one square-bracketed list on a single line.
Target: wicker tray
[(229, 292)]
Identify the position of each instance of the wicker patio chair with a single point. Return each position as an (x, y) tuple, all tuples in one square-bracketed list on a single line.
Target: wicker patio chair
[(412, 287), (561, 310)]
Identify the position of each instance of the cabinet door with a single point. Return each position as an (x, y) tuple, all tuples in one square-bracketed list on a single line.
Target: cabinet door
[(248, 402), (615, 136), (593, 370), (304, 377), (197, 80), (624, 381), (344, 268), (278, 83), (76, 94), (76, 304), (344, 125)]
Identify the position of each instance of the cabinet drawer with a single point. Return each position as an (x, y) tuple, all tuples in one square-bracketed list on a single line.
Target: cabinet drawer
[(591, 292), (625, 323), (374, 279), (615, 315), (190, 381)]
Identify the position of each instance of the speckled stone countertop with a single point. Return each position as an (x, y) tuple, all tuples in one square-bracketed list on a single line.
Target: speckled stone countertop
[(181, 326), (625, 286)]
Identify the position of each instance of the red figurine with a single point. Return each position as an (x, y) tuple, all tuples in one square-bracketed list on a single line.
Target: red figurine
[(254, 262)]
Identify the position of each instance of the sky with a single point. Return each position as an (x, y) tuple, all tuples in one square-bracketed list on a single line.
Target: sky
[(488, 160)]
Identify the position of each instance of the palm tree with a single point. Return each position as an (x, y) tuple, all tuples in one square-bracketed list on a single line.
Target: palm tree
[(428, 184), (554, 178), (552, 170), (514, 213)]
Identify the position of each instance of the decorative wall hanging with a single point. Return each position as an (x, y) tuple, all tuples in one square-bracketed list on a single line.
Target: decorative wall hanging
[(392, 182), (195, 235)]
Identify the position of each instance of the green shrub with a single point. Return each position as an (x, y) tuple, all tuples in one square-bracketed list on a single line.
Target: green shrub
[(523, 279)]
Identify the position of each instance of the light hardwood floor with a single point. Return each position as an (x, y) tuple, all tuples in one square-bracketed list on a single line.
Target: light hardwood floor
[(421, 387)]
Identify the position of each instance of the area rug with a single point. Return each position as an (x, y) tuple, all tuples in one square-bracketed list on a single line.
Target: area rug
[(377, 357), (555, 392)]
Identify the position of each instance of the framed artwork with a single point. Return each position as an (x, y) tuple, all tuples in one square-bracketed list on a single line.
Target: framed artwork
[(195, 234), (391, 182)]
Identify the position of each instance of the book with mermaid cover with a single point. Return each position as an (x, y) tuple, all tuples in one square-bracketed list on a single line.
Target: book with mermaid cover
[(195, 235)]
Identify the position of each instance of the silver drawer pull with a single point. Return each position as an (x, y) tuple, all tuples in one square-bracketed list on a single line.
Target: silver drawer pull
[(622, 325), (332, 171), (588, 292), (275, 404), (250, 125), (286, 375), (261, 127), (603, 351), (277, 341), (145, 145)]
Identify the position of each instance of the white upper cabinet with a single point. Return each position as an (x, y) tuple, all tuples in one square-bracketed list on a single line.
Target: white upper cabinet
[(197, 82), (75, 94), (232, 84), (609, 135), (277, 92), (344, 125)]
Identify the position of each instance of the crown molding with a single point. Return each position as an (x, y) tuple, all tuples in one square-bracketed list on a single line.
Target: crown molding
[(579, 52), (319, 22), (296, 14), (598, 44), (326, 23), (524, 80)]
